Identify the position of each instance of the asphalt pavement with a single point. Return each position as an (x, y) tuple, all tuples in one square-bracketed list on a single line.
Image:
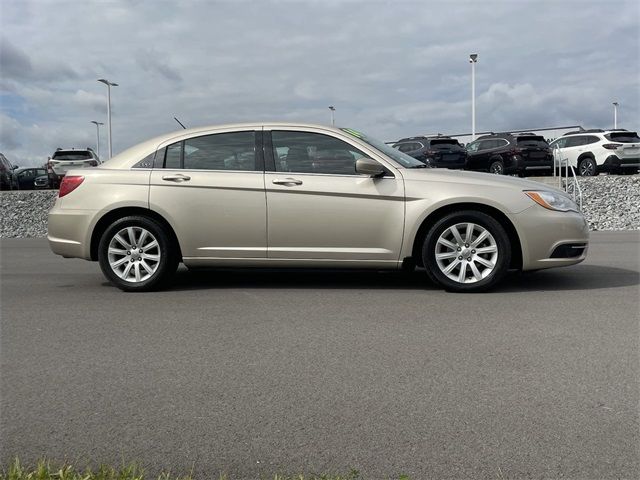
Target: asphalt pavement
[(256, 372)]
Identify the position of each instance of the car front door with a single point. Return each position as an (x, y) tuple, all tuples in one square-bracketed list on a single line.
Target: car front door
[(574, 146), (211, 190), (320, 209)]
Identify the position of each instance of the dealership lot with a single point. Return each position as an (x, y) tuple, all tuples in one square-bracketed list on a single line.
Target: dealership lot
[(253, 372)]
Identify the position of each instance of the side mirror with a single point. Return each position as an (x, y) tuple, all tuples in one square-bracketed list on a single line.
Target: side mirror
[(369, 167), (14, 167)]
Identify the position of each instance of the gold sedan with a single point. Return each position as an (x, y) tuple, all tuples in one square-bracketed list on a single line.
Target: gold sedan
[(291, 195)]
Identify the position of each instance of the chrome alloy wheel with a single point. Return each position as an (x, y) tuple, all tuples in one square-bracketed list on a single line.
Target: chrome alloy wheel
[(466, 253), (134, 254)]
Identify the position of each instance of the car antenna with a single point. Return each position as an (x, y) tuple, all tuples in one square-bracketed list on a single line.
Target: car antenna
[(176, 119)]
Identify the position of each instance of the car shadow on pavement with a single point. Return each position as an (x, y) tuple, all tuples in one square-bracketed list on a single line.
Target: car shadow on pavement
[(580, 277)]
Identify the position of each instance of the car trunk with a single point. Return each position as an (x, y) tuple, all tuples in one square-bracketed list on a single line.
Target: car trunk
[(447, 153)]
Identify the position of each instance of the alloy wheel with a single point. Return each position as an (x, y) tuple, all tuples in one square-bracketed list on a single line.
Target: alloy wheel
[(134, 254), (466, 252), (587, 168)]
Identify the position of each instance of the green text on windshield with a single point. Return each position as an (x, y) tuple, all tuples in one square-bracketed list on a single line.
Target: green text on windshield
[(402, 158)]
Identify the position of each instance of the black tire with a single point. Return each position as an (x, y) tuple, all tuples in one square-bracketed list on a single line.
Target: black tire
[(492, 226), (167, 249), (587, 167), (497, 167)]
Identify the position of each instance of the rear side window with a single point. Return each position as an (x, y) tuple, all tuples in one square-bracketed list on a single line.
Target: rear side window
[(173, 157), (220, 151), (592, 139), (575, 141), (623, 137), (70, 155)]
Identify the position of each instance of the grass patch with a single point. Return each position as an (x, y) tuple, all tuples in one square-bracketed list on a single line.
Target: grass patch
[(46, 470)]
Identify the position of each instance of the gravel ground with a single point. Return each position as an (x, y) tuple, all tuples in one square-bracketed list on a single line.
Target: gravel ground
[(610, 202)]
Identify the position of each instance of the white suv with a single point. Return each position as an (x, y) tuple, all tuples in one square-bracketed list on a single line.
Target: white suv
[(593, 151), (65, 159)]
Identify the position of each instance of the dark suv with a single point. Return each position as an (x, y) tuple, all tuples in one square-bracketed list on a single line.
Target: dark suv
[(6, 173), (508, 153), (440, 151)]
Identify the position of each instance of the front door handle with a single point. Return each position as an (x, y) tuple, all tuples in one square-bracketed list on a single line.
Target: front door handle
[(287, 181), (178, 177)]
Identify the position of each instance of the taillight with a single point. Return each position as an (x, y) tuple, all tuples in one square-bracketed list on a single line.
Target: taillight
[(515, 151), (69, 184), (612, 146)]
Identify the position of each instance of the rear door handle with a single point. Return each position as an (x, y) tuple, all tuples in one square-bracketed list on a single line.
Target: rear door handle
[(287, 181), (178, 177)]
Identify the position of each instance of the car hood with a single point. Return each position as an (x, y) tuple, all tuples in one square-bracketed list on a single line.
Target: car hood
[(464, 177)]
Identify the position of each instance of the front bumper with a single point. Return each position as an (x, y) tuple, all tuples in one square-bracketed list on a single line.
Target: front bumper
[(543, 231)]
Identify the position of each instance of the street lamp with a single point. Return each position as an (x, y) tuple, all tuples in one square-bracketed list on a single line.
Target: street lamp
[(333, 109), (97, 136), (473, 59), (615, 114), (109, 85)]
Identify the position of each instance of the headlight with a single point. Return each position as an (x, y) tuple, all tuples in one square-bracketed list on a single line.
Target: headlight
[(552, 200)]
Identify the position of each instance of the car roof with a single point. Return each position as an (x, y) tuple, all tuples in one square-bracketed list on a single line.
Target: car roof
[(121, 160)]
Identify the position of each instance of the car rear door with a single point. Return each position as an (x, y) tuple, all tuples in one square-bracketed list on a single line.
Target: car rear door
[(319, 209), (211, 190)]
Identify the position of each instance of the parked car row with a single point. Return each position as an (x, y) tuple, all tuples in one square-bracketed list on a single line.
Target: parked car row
[(589, 151), (48, 176)]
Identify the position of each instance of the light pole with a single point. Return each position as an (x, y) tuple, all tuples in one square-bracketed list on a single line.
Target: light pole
[(97, 136), (333, 109), (473, 59), (615, 114), (109, 85)]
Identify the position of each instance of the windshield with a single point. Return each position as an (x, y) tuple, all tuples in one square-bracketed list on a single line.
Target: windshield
[(403, 159)]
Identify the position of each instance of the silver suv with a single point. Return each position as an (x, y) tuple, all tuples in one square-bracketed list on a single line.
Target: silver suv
[(65, 159), (592, 152)]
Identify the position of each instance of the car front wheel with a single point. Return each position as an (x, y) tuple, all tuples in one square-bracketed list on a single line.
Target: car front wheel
[(137, 254), (467, 251)]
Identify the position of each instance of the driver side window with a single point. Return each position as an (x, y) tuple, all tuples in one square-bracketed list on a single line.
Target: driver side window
[(306, 152)]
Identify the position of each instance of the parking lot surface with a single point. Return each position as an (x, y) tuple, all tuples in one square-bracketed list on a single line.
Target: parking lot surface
[(256, 372)]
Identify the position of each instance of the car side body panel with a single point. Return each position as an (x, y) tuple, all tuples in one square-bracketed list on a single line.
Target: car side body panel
[(73, 217)]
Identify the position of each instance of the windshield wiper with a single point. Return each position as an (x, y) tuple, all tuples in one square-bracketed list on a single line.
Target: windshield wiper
[(422, 165)]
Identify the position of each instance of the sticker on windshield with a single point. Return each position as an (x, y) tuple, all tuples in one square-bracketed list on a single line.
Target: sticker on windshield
[(352, 132)]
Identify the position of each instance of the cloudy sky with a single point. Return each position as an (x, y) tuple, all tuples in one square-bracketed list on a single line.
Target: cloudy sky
[(391, 68)]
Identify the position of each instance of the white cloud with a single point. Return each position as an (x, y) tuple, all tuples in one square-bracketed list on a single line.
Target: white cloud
[(391, 69)]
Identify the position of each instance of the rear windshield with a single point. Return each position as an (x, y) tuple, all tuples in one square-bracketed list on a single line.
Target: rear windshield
[(445, 143), (532, 141), (71, 155), (623, 137)]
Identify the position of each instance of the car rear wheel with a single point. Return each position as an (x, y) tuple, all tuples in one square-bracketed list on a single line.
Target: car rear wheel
[(137, 254), (467, 251), (588, 167), (497, 167)]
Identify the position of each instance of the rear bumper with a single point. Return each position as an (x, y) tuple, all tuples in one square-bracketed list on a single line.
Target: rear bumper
[(613, 162), (522, 164), (551, 239), (69, 232)]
